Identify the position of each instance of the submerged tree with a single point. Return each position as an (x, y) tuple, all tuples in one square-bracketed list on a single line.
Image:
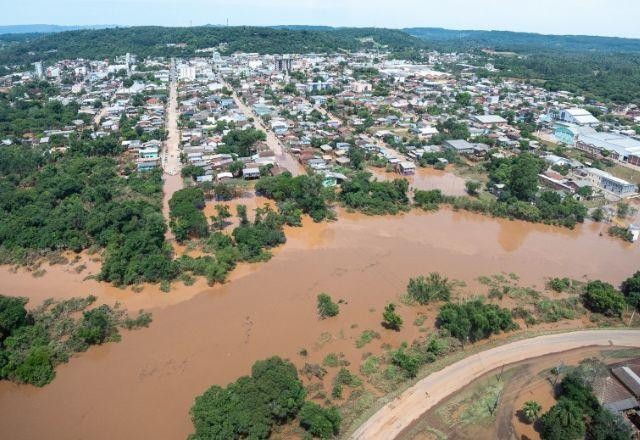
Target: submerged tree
[(326, 307), (390, 319)]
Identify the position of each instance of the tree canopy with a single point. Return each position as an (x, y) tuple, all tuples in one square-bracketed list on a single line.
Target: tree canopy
[(250, 406), (474, 320)]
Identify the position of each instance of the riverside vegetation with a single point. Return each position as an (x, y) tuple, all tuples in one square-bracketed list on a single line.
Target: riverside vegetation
[(33, 342), (253, 406)]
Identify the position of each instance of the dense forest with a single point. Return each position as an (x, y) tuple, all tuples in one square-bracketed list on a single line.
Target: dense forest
[(601, 68), (521, 42), (163, 41), (598, 76)]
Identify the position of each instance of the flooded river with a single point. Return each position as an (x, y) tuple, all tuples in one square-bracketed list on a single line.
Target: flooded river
[(144, 386)]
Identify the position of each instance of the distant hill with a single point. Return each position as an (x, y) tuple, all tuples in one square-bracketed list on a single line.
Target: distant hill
[(521, 42), (183, 41), (45, 28)]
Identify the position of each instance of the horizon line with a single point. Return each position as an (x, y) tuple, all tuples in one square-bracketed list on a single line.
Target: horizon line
[(115, 26)]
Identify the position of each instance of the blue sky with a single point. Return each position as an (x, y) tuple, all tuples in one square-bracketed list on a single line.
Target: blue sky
[(592, 17)]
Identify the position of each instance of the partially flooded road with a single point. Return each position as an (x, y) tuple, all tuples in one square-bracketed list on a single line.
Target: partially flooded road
[(171, 162), (283, 157), (144, 386)]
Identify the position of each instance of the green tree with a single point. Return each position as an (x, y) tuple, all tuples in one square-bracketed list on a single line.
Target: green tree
[(523, 181), (236, 168), (187, 218), (250, 406), (356, 157), (564, 421), (12, 315), (96, 326), (623, 209), (241, 142), (597, 215), (603, 298), (608, 426), (631, 290), (474, 320), (585, 191), (326, 307), (320, 422), (241, 211), (192, 171), (223, 213), (464, 99), (473, 187), (390, 319), (531, 411)]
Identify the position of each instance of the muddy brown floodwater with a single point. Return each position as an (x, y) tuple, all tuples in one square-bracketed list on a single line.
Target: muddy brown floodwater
[(144, 386), (427, 179)]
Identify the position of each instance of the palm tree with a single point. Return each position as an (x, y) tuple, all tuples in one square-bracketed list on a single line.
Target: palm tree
[(531, 410)]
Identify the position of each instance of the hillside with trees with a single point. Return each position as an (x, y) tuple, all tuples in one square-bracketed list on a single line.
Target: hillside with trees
[(601, 68), (175, 41), (521, 42)]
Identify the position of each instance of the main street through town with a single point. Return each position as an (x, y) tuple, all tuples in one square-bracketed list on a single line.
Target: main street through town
[(283, 157), (171, 155)]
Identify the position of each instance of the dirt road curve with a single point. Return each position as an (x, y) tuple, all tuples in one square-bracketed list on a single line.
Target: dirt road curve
[(390, 420)]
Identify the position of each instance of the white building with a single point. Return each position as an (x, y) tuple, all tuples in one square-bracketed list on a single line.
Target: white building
[(578, 116), (186, 73), (39, 69), (610, 183)]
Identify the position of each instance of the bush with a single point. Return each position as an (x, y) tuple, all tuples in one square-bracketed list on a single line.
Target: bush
[(473, 187), (557, 310), (320, 422), (390, 319), (433, 288), (366, 337), (601, 297), (560, 284), (531, 411), (474, 320), (326, 307), (409, 363), (428, 200), (623, 233)]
